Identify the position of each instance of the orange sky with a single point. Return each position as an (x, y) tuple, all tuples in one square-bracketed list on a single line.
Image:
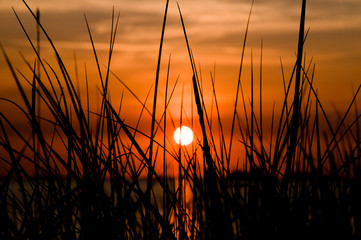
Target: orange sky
[(215, 29)]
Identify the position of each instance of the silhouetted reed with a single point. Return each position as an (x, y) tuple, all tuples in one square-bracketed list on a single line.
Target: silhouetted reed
[(82, 173)]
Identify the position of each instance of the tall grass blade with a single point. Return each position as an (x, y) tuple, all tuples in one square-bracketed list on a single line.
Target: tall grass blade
[(239, 84), (296, 101)]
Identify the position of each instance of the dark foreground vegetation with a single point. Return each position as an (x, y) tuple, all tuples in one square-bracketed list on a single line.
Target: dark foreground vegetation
[(302, 181)]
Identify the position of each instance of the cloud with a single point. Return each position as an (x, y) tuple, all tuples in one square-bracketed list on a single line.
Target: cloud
[(215, 28)]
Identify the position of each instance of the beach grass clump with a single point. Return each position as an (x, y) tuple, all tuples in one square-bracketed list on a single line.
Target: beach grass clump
[(82, 172)]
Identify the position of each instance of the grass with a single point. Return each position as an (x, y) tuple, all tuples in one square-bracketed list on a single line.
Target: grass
[(303, 181)]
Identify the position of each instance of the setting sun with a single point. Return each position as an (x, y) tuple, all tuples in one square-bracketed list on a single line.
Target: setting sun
[(183, 135)]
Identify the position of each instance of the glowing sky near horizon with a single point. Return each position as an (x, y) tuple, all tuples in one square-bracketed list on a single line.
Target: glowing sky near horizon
[(215, 29)]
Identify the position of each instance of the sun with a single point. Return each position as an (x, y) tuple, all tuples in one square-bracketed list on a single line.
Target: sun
[(183, 135)]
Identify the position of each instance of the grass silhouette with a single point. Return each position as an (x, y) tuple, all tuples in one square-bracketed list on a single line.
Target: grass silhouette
[(303, 181)]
